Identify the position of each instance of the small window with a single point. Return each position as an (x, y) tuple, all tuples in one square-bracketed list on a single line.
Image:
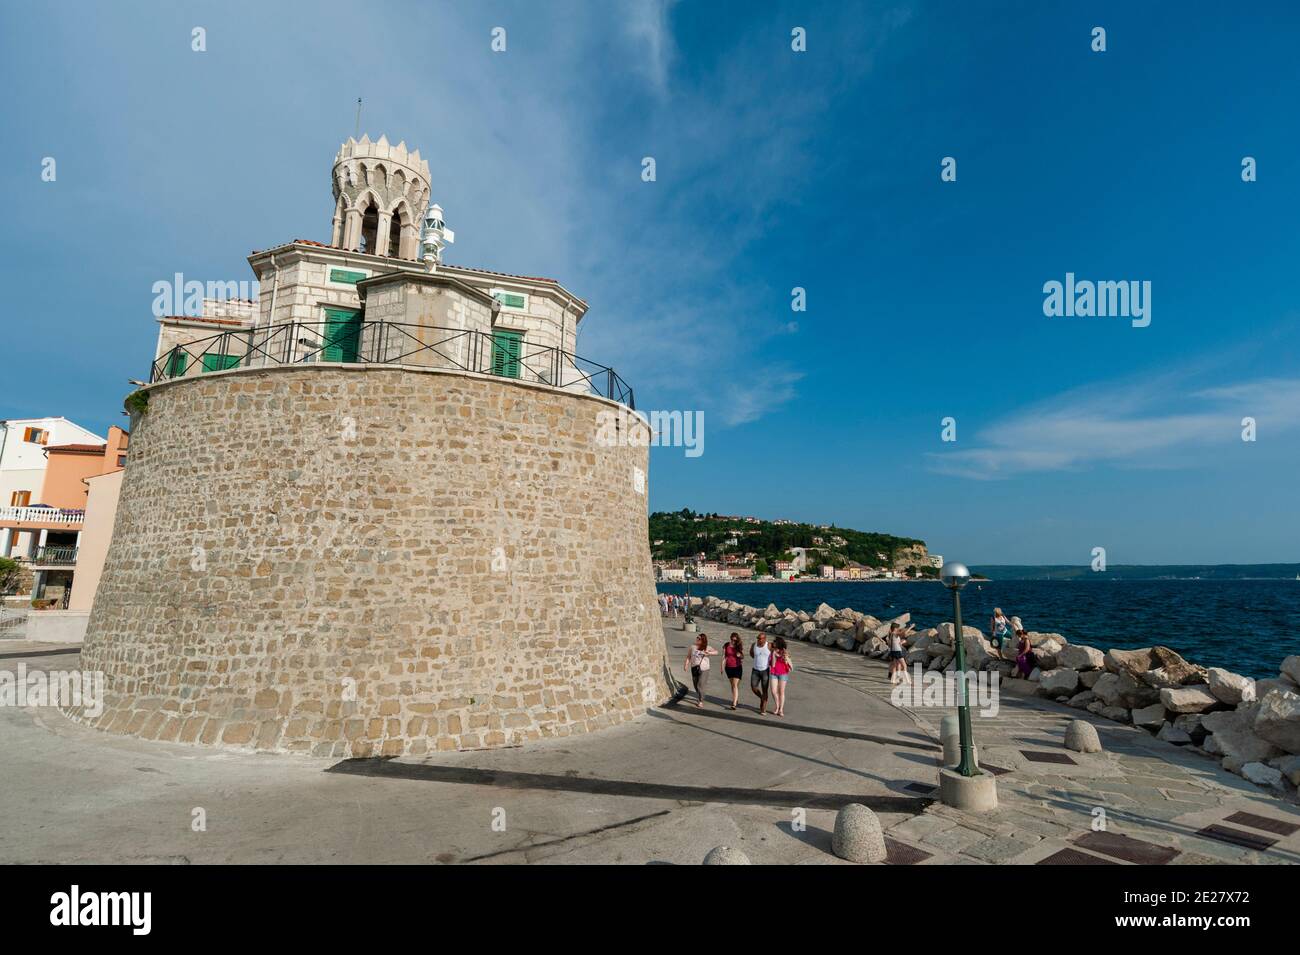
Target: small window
[(215, 362), (510, 299), (346, 276), (36, 436), (20, 498), (121, 460)]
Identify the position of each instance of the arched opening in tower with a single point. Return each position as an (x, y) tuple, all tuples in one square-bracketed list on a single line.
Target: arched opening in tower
[(369, 227), (395, 233)]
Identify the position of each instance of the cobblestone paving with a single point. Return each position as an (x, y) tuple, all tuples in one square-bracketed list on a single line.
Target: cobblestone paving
[(1138, 787)]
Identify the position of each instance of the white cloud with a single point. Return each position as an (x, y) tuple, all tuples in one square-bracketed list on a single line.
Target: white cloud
[(1148, 424)]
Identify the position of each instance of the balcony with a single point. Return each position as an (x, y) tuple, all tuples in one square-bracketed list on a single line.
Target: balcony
[(54, 557), (42, 517), (359, 342)]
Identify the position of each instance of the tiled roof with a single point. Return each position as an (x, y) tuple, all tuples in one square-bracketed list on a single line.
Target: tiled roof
[(78, 448)]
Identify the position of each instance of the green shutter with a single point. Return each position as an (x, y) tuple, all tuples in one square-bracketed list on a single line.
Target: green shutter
[(346, 275), (177, 363), (342, 335), (505, 353), (215, 362), (509, 299)]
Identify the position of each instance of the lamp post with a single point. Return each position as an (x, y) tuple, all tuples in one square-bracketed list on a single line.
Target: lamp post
[(955, 576), (687, 620)]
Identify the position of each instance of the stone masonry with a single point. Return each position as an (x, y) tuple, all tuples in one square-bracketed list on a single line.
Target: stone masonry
[(375, 560)]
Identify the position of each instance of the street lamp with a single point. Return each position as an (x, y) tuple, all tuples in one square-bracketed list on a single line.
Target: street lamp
[(955, 576), (688, 572)]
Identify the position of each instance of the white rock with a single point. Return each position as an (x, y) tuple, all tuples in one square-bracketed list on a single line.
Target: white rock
[(1291, 668), (1262, 775), (1277, 719), (1172, 734), (1187, 699), (1078, 657), (1149, 717), (1055, 682), (1228, 687), (1233, 735)]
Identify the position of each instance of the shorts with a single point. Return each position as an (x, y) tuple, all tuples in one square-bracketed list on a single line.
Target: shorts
[(783, 677), (759, 680), (735, 673), (895, 654)]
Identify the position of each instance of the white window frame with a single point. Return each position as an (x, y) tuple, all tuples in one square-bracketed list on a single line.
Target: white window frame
[(509, 291)]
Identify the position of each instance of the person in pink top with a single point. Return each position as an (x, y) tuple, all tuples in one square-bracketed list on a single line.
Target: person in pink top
[(734, 666), (782, 667)]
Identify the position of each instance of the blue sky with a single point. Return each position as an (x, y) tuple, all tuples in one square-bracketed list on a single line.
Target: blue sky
[(775, 169)]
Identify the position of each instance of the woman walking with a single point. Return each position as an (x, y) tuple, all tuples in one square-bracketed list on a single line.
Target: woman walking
[(782, 666), (897, 665), (697, 661), (734, 665)]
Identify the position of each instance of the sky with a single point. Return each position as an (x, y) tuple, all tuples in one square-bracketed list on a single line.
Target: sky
[(775, 169)]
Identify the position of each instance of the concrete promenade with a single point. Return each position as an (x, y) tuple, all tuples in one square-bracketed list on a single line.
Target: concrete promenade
[(662, 789)]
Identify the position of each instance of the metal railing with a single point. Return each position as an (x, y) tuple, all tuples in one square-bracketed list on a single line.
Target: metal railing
[(392, 343), (55, 555), (43, 515)]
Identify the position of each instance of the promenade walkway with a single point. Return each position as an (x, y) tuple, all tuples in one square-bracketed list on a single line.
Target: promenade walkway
[(662, 789)]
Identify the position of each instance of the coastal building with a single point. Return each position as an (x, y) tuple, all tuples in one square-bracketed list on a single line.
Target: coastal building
[(387, 452), (42, 528), (741, 572), (827, 571)]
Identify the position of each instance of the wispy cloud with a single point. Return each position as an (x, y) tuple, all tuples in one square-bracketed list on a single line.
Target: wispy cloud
[(648, 27), (1126, 425)]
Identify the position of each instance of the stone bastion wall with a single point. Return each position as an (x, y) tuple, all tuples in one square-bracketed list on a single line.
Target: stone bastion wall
[(375, 561)]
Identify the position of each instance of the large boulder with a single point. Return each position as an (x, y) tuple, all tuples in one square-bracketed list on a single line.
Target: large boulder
[(1188, 699), (845, 640), (771, 611), (1058, 682), (1123, 689), (1089, 678), (1232, 734), (839, 623), (1262, 775), (804, 630), (1190, 723), (1289, 767), (1082, 700), (1172, 734), (1131, 661), (1277, 719), (1149, 717), (1228, 687), (1078, 657), (824, 613), (1291, 669)]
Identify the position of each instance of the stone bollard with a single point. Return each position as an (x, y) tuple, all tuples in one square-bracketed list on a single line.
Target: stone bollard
[(1081, 736), (858, 837), (725, 855)]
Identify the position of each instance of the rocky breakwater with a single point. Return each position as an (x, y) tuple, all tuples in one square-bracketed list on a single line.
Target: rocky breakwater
[(1251, 726)]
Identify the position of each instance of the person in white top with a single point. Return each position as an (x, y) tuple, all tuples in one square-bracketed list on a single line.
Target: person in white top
[(697, 661), (897, 663), (760, 675)]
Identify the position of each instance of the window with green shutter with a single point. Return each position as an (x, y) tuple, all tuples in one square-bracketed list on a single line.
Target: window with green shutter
[(510, 299), (342, 335), (177, 363), (216, 362), (505, 353), (346, 276)]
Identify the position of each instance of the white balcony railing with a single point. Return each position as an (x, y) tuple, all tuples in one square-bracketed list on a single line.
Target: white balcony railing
[(42, 515)]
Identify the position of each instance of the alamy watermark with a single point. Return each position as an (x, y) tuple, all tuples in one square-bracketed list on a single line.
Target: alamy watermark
[(182, 297), (667, 429), (1087, 299), (84, 688), (931, 688)]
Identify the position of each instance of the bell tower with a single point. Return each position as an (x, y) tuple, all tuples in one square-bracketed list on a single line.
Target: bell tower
[(380, 194)]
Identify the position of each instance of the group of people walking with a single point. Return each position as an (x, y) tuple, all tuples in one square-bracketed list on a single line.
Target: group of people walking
[(1003, 630), (672, 605), (769, 674)]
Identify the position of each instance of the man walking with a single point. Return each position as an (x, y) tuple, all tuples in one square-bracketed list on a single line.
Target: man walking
[(760, 675)]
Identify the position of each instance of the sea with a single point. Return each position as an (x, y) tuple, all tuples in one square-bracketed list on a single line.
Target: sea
[(1246, 626)]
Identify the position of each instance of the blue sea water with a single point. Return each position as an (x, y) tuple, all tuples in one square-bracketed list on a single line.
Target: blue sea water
[(1247, 626)]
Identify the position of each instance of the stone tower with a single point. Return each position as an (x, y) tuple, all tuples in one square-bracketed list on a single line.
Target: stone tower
[(380, 193)]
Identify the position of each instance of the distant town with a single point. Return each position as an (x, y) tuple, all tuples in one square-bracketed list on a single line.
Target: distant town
[(688, 545)]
